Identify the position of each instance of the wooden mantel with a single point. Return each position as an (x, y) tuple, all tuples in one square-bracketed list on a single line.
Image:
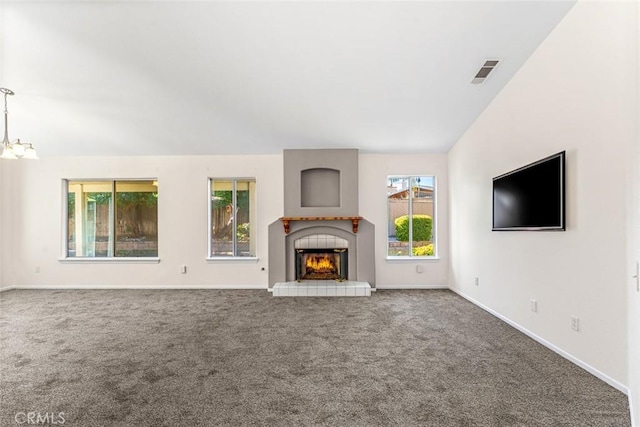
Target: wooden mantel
[(286, 221)]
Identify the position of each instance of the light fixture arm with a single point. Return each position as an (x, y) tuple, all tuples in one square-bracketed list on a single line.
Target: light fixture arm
[(5, 140), (13, 150)]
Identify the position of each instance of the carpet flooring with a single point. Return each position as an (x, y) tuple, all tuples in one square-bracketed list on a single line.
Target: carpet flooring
[(216, 357)]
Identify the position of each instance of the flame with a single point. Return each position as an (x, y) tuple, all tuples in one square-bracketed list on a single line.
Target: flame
[(319, 263)]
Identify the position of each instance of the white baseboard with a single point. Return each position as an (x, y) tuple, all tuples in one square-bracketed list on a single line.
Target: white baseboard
[(613, 383), (631, 410), (7, 288), (169, 287), (398, 287)]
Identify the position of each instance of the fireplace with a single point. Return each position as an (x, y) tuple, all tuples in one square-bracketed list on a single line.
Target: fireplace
[(321, 241), (322, 264)]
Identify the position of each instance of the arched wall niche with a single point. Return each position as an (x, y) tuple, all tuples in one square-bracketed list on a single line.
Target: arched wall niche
[(320, 188)]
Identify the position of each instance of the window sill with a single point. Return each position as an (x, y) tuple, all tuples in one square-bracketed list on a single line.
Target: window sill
[(412, 258), (222, 259), (109, 260)]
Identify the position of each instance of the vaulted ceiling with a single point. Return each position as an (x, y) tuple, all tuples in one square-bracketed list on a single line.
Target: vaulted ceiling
[(235, 77)]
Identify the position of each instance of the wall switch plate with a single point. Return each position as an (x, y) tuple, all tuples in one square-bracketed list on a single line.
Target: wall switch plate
[(534, 306), (575, 323), (477, 281)]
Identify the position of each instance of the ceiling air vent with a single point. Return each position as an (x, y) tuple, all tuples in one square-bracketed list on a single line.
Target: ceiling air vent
[(484, 72)]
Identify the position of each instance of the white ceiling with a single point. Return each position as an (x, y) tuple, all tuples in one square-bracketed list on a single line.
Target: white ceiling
[(182, 78)]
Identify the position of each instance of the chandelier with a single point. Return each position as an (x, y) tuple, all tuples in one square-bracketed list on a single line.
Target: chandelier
[(16, 149)]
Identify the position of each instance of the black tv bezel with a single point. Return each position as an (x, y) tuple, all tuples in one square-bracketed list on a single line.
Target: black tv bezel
[(563, 223)]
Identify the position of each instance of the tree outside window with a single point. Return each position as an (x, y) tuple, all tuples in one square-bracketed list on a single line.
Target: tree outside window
[(232, 217), (112, 219)]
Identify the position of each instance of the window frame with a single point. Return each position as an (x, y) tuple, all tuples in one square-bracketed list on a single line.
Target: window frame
[(434, 228), (65, 258), (234, 258)]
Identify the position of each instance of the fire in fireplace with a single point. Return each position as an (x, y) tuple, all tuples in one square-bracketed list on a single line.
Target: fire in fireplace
[(321, 264)]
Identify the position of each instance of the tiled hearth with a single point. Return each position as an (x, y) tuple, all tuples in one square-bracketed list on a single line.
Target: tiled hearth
[(322, 288)]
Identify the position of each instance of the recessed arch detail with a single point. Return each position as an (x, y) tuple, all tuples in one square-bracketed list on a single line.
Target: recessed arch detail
[(320, 188)]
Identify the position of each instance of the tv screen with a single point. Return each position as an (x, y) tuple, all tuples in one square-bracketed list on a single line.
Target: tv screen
[(531, 197)]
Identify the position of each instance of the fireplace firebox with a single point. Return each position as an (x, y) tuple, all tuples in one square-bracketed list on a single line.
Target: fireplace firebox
[(322, 264)]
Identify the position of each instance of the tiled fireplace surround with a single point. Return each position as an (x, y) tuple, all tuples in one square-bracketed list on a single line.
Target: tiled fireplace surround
[(321, 205)]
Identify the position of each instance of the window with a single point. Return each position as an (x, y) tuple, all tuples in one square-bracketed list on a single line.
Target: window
[(411, 225), (112, 219), (232, 221)]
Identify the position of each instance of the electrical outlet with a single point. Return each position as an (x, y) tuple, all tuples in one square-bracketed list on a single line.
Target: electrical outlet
[(477, 281), (575, 323), (37, 269), (534, 306), (419, 269), (183, 269)]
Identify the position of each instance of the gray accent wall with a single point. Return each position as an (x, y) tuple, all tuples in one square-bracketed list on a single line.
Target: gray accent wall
[(321, 183), (277, 258), (330, 184)]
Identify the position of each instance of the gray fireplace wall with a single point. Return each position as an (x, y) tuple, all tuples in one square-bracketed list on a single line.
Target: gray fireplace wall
[(320, 182)]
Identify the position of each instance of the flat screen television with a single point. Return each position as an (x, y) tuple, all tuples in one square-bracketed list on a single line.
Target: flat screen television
[(531, 197)]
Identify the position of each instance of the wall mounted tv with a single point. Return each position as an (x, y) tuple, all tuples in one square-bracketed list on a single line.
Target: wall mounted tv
[(531, 197)]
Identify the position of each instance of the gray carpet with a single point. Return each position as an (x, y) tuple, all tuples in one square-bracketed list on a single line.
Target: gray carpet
[(209, 357)]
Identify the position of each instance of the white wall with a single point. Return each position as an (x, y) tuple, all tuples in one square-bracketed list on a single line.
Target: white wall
[(575, 93), (36, 220), (4, 230), (182, 221), (634, 250), (374, 169), (3, 238)]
